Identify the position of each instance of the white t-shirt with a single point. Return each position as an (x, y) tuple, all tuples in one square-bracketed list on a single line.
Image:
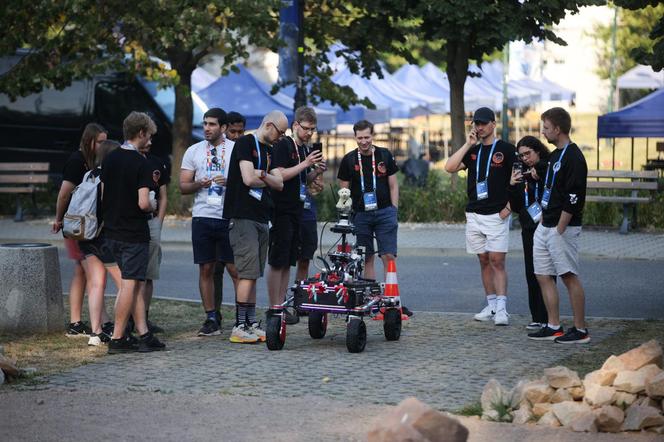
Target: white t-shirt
[(198, 157)]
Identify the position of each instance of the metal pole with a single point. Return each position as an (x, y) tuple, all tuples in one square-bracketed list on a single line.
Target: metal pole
[(632, 153), (598, 154), (613, 58), (300, 98), (506, 64)]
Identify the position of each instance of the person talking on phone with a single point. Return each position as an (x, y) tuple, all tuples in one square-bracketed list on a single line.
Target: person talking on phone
[(526, 189), (489, 164)]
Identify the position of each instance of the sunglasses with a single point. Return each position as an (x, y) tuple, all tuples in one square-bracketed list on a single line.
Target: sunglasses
[(279, 131)]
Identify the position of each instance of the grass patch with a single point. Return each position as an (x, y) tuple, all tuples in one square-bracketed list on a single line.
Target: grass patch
[(631, 335), (473, 409)]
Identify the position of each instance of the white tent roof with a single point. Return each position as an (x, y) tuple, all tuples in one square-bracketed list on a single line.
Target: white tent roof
[(641, 77)]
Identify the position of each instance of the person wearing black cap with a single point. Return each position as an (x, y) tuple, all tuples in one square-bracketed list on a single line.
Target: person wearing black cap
[(489, 163)]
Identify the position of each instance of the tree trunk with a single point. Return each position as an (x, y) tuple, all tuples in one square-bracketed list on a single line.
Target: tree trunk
[(181, 132), (457, 71)]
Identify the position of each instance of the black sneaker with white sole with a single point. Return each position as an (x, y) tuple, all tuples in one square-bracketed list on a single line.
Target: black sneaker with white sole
[(149, 342), (78, 329), (210, 328), (574, 336), (546, 333), (107, 327)]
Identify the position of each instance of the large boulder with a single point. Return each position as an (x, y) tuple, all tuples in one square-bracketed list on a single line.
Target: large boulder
[(647, 353), (577, 393), (566, 412), (537, 391), (609, 418), (600, 377), (415, 421), (494, 397), (562, 395), (585, 422), (639, 417), (549, 420), (631, 381), (614, 363), (541, 408), (561, 377), (655, 386), (523, 414), (624, 399), (598, 395)]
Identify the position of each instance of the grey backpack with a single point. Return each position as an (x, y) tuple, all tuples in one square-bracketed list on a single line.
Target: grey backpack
[(83, 220)]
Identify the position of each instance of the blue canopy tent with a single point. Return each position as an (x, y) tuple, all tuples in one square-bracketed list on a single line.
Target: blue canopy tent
[(242, 92), (412, 77), (642, 119)]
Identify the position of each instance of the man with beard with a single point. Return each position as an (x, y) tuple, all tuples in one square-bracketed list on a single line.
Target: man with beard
[(204, 172)]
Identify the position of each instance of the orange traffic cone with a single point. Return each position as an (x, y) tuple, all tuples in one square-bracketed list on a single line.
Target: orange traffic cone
[(391, 289)]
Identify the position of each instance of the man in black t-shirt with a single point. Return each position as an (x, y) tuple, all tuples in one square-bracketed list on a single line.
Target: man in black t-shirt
[(126, 179), (488, 161), (248, 202), (556, 241), (290, 160), (370, 174)]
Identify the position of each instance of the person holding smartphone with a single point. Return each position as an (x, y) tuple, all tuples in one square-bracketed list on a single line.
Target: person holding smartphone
[(489, 164), (526, 189)]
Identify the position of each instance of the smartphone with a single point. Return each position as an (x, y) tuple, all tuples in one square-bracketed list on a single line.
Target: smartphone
[(317, 146), (517, 166)]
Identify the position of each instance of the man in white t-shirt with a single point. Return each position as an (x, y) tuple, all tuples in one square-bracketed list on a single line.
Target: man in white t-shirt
[(203, 173)]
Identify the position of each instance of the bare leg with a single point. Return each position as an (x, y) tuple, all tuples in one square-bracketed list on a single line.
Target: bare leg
[(275, 278), (487, 274), (246, 291), (76, 292), (124, 306), (114, 271), (285, 283), (140, 318), (386, 259), (550, 295), (96, 283), (369, 268), (497, 261), (232, 272), (148, 288), (302, 271), (577, 298), (218, 278), (206, 285)]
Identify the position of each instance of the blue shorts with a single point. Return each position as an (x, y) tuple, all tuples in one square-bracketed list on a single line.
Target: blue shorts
[(209, 237), (381, 223)]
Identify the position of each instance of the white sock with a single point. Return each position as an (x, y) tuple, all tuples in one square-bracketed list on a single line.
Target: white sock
[(491, 301), (553, 327), (501, 303)]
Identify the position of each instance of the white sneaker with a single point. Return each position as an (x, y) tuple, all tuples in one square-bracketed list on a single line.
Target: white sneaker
[(94, 341), (258, 331), (243, 334), (485, 315), (501, 317)]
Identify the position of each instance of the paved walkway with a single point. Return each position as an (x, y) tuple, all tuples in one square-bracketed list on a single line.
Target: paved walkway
[(607, 243)]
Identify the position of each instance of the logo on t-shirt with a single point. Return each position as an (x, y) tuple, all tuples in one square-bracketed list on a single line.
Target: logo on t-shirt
[(382, 169), (573, 198), (357, 168), (254, 153), (498, 157), (156, 174), (473, 156)]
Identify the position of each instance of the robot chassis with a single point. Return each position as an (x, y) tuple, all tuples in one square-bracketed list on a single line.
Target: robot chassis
[(339, 289)]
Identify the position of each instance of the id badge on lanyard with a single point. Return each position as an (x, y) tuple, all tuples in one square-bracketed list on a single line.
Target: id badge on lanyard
[(369, 198), (535, 211), (307, 202), (257, 192), (303, 192), (370, 201), (546, 196), (482, 187)]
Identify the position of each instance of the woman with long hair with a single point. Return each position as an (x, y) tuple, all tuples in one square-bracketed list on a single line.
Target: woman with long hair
[(526, 189)]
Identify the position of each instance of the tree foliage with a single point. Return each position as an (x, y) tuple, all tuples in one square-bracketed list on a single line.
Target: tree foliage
[(651, 54)]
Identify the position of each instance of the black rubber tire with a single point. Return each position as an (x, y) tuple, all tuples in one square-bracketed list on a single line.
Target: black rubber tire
[(317, 324), (356, 335), (392, 324), (275, 332)]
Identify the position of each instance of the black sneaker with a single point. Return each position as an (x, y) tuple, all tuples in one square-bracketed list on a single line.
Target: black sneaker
[(104, 337), (546, 333), (218, 316), (574, 336), (123, 345), (78, 329), (149, 342), (154, 328), (107, 327), (210, 328), (291, 319)]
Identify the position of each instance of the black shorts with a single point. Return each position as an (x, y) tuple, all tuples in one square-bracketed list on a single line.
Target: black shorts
[(308, 243), (209, 237), (132, 258), (98, 248), (284, 237)]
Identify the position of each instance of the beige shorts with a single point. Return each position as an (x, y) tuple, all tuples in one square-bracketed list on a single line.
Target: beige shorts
[(486, 233), (249, 241), (555, 254), (154, 253)]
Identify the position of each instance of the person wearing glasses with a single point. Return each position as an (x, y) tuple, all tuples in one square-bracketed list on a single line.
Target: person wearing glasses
[(252, 179), (488, 161), (292, 161), (526, 189), (556, 242), (204, 172)]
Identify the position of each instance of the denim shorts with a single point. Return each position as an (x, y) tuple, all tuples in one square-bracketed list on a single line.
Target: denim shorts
[(381, 223), (209, 237)]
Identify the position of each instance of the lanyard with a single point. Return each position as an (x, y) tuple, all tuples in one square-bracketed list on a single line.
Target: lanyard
[(222, 161), (555, 169), (299, 159), (488, 163), (373, 168), (258, 149), (525, 192)]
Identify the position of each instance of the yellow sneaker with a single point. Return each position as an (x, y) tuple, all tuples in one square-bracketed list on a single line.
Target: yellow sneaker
[(243, 334), (258, 331)]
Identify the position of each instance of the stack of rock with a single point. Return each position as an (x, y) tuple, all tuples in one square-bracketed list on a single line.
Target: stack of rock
[(625, 394), (7, 367)]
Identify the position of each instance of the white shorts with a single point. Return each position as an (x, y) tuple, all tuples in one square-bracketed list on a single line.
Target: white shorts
[(555, 254), (486, 233)]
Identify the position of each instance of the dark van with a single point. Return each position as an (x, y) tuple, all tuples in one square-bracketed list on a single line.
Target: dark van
[(47, 126)]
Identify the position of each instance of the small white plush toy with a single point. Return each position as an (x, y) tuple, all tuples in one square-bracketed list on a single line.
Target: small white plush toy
[(345, 203)]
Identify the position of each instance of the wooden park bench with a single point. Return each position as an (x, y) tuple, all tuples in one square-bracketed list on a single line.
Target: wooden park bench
[(627, 184), (23, 178)]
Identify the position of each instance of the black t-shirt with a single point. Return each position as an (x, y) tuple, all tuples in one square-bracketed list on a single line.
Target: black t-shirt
[(75, 168), (349, 170), (159, 173), (286, 156), (499, 176), (535, 189), (124, 172), (238, 203), (569, 188)]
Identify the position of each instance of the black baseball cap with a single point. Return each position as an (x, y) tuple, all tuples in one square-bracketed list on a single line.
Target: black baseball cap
[(484, 115)]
